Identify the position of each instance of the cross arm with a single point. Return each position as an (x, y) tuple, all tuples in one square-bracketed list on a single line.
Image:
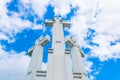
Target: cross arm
[(49, 23), (69, 41), (41, 41), (45, 40), (72, 43), (66, 23)]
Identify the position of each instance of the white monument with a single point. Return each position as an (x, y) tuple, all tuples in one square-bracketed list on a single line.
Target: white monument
[(63, 64)]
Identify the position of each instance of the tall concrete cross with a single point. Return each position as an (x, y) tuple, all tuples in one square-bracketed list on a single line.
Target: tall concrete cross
[(35, 71), (56, 61)]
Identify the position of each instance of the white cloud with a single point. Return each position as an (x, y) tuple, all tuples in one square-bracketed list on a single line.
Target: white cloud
[(40, 7), (3, 36), (13, 66), (25, 1), (83, 17), (61, 7), (10, 25), (89, 68), (92, 78), (79, 27), (107, 30), (106, 26)]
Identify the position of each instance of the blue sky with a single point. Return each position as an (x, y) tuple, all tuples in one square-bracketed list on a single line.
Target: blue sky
[(94, 24)]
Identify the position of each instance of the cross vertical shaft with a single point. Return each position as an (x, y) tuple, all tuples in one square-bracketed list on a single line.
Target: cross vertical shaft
[(56, 61)]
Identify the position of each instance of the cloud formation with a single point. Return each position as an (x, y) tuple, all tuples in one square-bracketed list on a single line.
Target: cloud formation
[(13, 66), (107, 31), (11, 21), (103, 17)]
